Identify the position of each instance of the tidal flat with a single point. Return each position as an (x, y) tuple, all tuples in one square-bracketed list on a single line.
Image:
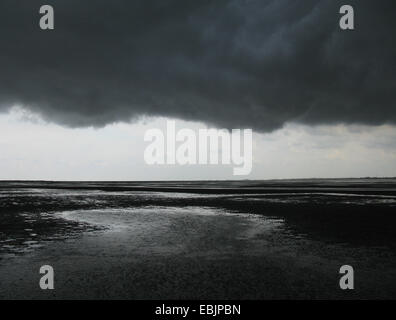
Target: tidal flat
[(198, 240)]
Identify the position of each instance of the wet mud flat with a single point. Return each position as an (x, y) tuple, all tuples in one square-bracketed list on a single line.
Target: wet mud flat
[(177, 245)]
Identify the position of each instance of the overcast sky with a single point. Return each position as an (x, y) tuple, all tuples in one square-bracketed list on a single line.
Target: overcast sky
[(33, 149), (75, 101)]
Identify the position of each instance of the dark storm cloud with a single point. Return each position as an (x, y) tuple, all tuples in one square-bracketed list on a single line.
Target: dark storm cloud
[(235, 63)]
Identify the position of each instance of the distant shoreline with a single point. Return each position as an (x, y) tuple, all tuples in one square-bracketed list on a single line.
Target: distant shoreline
[(363, 186), (280, 180)]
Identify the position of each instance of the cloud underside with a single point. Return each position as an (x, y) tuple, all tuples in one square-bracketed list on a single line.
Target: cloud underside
[(233, 64)]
